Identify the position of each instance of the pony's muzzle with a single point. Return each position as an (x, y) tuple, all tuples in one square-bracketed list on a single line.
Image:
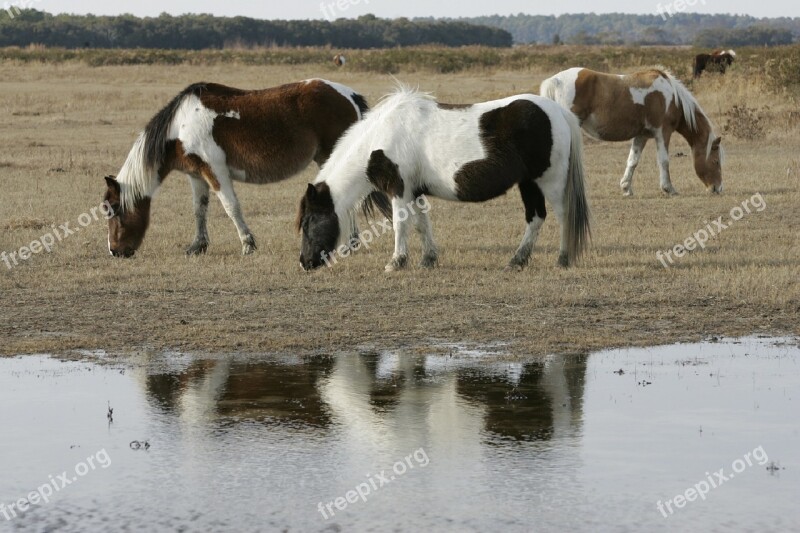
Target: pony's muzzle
[(126, 254), (716, 189)]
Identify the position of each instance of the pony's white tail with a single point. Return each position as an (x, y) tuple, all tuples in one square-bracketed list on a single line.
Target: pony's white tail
[(578, 215), (553, 89)]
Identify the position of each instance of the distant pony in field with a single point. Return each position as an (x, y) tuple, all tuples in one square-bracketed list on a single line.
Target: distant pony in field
[(409, 146), (339, 60), (650, 104), (218, 134), (716, 61)]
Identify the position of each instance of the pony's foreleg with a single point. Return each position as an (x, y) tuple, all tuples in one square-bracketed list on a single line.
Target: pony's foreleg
[(637, 146), (535, 214), (662, 143), (400, 219), (200, 200), (430, 254), (227, 196)]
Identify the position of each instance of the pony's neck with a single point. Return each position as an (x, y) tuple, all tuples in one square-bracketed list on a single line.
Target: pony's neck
[(698, 138)]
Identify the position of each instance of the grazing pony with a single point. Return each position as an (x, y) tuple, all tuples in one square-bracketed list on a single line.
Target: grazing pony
[(217, 135), (339, 60), (717, 61), (410, 145), (650, 104)]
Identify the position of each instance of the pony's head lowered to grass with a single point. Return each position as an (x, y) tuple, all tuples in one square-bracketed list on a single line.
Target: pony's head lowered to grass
[(126, 224), (319, 224)]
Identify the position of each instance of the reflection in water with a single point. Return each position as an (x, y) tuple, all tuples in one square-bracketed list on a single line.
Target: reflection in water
[(521, 401), (258, 443)]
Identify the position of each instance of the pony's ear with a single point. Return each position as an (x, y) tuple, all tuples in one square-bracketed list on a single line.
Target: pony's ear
[(311, 192), (112, 183)]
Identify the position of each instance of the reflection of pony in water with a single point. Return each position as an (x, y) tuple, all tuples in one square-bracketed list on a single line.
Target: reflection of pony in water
[(651, 104), (410, 146)]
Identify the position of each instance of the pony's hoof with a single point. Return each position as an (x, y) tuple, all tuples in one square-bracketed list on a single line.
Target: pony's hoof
[(627, 193), (354, 243), (669, 191), (197, 248), (514, 267), (249, 245), (397, 264), (563, 260), (429, 261)]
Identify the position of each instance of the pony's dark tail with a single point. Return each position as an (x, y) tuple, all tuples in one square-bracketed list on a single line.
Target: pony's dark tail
[(578, 215)]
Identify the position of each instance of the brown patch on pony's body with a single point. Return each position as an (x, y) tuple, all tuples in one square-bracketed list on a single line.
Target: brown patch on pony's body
[(606, 107), (279, 131), (518, 141), (384, 174), (178, 159)]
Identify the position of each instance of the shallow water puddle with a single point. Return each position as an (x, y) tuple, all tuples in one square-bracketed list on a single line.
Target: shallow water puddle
[(701, 437)]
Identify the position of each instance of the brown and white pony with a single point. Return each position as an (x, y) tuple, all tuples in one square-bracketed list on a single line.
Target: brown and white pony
[(650, 104), (216, 135), (716, 61)]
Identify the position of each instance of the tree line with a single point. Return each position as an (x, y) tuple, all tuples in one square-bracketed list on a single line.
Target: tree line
[(199, 32), (662, 29)]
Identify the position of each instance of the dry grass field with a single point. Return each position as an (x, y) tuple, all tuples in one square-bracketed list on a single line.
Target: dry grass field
[(67, 125)]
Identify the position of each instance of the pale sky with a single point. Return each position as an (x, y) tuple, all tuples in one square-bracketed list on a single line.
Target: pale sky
[(313, 9)]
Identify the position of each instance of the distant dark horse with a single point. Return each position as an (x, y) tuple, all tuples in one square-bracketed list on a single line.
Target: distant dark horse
[(716, 61)]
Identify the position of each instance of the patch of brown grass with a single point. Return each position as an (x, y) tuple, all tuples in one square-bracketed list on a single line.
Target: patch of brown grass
[(744, 282)]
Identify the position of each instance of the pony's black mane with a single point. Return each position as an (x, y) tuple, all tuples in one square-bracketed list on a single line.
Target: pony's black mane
[(361, 102), (157, 129), (377, 201)]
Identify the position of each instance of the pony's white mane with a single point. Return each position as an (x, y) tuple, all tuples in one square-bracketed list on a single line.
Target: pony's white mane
[(688, 103), (403, 94), (135, 180)]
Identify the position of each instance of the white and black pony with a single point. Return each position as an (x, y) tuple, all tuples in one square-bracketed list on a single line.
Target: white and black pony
[(409, 145), (217, 135)]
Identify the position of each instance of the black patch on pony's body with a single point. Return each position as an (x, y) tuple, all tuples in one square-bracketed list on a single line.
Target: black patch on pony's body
[(384, 174), (518, 140), (361, 102), (533, 199)]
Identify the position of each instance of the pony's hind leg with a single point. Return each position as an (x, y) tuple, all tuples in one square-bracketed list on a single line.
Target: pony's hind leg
[(430, 254), (535, 214), (200, 200), (637, 146)]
